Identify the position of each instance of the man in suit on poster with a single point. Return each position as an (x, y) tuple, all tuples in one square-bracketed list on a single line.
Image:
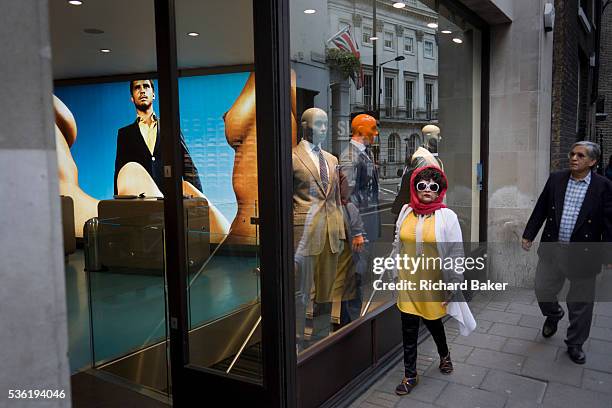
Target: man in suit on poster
[(576, 205), (139, 143)]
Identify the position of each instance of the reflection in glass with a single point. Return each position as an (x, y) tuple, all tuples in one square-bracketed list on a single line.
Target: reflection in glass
[(429, 89)]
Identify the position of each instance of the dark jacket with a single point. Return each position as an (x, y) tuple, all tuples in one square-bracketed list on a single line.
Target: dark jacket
[(594, 223), (361, 176), (131, 147)]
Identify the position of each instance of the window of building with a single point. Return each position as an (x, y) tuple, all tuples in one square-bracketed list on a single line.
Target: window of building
[(428, 49), (366, 35), (414, 141), (409, 45), (342, 25), (389, 82), (367, 89), (429, 100), (388, 40), (409, 99), (393, 146)]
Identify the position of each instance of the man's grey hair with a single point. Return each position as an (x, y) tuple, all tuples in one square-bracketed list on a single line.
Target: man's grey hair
[(593, 149)]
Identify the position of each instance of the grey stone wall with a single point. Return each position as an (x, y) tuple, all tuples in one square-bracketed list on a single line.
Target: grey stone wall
[(519, 136), (605, 80), (33, 344)]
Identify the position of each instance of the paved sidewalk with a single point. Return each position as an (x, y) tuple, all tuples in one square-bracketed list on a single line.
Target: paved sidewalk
[(506, 363)]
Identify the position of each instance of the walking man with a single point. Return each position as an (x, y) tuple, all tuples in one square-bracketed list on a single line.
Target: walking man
[(577, 207)]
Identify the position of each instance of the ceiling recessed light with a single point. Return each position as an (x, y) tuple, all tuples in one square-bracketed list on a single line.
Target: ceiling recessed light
[(93, 31), (446, 32), (105, 50), (399, 4), (75, 2), (193, 34), (373, 38), (310, 11), (432, 25), (458, 40)]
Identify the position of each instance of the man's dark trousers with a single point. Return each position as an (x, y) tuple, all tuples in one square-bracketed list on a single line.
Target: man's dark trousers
[(550, 278), (579, 260)]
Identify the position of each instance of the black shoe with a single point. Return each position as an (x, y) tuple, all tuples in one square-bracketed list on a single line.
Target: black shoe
[(550, 325), (406, 385), (576, 354), (446, 365)]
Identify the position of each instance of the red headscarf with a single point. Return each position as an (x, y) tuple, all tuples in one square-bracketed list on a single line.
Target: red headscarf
[(419, 207)]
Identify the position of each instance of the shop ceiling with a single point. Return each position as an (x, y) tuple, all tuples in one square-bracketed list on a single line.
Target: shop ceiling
[(225, 36)]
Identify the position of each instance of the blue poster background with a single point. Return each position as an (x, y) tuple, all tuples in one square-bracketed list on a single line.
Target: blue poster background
[(101, 109)]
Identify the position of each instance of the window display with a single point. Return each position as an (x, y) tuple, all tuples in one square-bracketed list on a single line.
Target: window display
[(386, 104)]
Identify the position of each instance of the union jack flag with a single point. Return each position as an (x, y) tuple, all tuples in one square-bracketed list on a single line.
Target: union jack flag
[(344, 40)]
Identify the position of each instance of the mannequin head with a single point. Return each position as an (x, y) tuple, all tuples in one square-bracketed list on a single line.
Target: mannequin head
[(431, 137), (314, 124), (364, 129)]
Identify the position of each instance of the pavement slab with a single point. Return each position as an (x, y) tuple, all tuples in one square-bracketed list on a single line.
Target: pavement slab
[(506, 363)]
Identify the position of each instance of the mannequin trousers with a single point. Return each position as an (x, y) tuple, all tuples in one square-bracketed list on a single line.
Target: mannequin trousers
[(320, 271), (410, 336)]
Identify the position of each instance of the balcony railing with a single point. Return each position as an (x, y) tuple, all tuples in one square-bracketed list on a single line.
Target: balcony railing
[(399, 113)]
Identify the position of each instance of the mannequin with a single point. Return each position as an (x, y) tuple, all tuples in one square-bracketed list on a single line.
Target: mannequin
[(318, 223), (361, 212), (425, 155), (241, 135)]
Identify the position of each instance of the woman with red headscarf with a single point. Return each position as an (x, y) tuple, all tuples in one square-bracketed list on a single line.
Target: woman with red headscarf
[(429, 233)]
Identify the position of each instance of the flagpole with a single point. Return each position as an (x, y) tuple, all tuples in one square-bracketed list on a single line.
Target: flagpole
[(374, 91)]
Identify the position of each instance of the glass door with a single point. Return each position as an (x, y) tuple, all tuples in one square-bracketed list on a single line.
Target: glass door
[(224, 330)]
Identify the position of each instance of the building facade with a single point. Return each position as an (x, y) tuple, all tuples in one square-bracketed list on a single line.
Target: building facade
[(575, 76), (604, 125)]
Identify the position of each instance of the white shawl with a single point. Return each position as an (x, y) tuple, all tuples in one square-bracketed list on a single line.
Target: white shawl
[(450, 245)]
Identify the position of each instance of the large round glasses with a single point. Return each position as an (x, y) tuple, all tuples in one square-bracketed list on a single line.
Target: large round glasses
[(424, 186)]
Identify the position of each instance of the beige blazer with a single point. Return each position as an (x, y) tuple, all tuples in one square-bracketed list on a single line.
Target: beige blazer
[(316, 213)]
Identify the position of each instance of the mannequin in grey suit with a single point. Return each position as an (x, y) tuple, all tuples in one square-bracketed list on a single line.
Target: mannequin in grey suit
[(318, 223)]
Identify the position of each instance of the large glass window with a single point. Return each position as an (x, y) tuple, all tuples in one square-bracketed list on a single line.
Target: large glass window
[(217, 119), (109, 142), (343, 170)]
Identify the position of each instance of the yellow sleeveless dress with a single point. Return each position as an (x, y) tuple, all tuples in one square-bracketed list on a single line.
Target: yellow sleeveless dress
[(424, 303)]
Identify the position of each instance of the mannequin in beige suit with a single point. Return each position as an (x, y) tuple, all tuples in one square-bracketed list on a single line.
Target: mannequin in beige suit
[(318, 223)]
